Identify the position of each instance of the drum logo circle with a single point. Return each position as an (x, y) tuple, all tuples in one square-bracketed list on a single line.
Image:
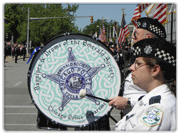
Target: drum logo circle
[(74, 76), (57, 80)]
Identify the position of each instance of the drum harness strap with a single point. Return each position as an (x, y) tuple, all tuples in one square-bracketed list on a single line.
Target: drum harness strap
[(111, 116)]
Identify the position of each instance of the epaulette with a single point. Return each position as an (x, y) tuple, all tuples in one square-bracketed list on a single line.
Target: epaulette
[(155, 99), (140, 97)]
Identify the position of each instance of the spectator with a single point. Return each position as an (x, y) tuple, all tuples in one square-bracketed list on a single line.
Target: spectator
[(24, 52)]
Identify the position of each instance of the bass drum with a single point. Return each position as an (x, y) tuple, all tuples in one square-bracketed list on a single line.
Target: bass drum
[(67, 64)]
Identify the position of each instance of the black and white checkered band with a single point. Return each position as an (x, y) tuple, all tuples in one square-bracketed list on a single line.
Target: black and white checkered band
[(156, 30), (138, 24), (165, 56), (137, 51), (161, 54)]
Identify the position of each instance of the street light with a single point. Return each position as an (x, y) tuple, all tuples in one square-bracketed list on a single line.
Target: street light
[(91, 20)]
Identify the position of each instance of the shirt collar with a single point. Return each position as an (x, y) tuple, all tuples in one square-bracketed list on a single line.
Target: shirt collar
[(157, 91)]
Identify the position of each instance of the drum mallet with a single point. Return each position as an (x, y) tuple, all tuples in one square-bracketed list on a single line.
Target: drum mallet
[(82, 94)]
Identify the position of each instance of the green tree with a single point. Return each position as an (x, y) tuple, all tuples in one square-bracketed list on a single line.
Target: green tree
[(40, 30), (95, 27), (13, 16)]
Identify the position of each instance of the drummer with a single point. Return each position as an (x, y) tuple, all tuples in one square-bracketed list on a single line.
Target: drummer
[(154, 67), (146, 28)]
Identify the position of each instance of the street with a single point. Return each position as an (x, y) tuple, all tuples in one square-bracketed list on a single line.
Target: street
[(20, 114)]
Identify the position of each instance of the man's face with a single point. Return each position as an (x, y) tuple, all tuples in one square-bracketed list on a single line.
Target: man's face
[(112, 49), (139, 34)]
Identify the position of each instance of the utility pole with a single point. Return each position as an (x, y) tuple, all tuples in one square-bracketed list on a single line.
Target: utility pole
[(28, 31)]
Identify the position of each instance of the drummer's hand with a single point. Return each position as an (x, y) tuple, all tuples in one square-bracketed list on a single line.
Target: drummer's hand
[(118, 102)]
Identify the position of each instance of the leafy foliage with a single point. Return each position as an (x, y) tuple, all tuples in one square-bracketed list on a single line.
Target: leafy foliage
[(40, 30)]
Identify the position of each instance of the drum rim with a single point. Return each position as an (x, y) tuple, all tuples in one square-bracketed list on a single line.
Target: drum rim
[(53, 40)]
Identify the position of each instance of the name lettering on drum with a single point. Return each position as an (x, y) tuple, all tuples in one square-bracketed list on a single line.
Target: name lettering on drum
[(48, 52), (104, 55), (100, 108), (75, 42), (75, 117), (38, 75), (55, 112), (63, 116)]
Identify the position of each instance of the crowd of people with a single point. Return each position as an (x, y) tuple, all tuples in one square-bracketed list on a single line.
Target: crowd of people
[(17, 50)]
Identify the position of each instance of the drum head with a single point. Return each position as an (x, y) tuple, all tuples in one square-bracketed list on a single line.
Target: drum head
[(67, 64)]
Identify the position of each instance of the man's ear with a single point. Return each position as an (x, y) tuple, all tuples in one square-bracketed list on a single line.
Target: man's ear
[(149, 36)]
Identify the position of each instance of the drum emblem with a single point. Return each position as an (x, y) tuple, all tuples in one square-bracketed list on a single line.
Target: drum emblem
[(72, 77), (75, 82)]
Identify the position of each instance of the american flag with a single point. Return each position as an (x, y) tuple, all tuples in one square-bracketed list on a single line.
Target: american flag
[(114, 32), (110, 38), (137, 13), (102, 36), (103, 29), (161, 13), (124, 32)]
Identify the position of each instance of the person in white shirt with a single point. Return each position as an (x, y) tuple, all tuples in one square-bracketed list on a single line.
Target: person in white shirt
[(154, 67), (146, 28)]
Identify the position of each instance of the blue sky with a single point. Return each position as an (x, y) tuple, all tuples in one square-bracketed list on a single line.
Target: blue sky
[(112, 11)]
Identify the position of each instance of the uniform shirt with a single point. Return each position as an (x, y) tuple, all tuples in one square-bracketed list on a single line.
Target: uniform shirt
[(132, 91), (155, 111)]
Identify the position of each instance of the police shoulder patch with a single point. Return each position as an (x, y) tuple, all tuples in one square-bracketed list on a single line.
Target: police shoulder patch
[(152, 116)]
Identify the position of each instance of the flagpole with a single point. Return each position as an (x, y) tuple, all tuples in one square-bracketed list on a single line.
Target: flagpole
[(171, 27), (107, 34), (123, 10), (119, 45)]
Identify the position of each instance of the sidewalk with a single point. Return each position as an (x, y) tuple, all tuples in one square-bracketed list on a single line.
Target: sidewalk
[(10, 59)]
